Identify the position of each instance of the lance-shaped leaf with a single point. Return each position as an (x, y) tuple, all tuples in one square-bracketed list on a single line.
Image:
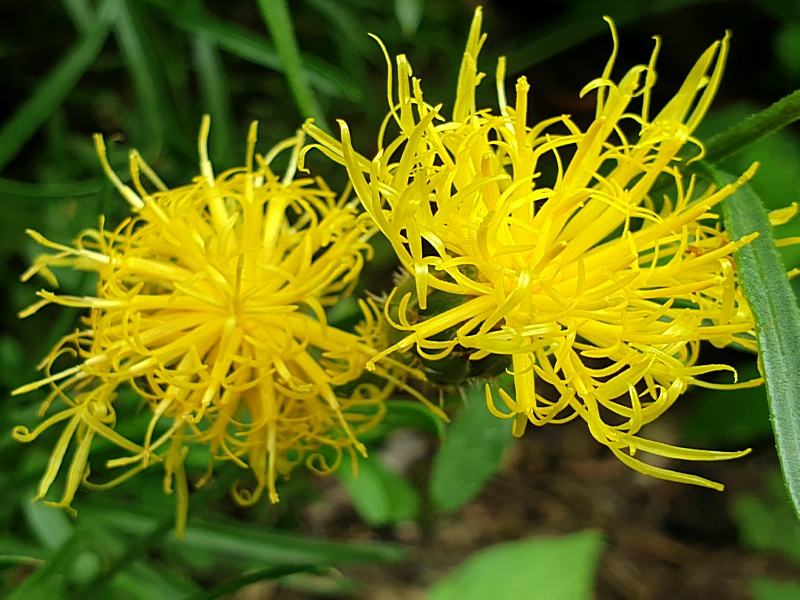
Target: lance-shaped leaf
[(763, 278)]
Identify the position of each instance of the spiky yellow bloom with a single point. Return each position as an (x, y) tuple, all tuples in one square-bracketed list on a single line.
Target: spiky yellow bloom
[(599, 291), (210, 306)]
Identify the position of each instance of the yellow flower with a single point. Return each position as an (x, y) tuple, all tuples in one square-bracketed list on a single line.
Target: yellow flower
[(598, 290), (210, 306)]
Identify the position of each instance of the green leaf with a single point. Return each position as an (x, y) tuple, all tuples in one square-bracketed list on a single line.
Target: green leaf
[(87, 559), (766, 522), (560, 568), (279, 23), (144, 582), (409, 14), (471, 453), (405, 414), (49, 524), (251, 545), (19, 559), (380, 496), (146, 75), (49, 580), (763, 279), (251, 578), (215, 95), (283, 548), (256, 48), (54, 88), (81, 13), (52, 191), (765, 588)]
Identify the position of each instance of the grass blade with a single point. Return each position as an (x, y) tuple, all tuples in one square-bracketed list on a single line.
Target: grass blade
[(243, 543), (283, 548), (279, 23), (763, 278), (581, 25), (54, 88), (325, 78), (251, 578), (49, 191), (146, 76), (215, 96), (81, 13)]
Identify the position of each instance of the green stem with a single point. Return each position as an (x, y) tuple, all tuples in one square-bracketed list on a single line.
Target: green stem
[(769, 120), (279, 23)]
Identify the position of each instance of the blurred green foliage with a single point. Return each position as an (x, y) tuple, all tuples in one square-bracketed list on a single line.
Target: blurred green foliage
[(526, 569), (143, 72), (767, 524)]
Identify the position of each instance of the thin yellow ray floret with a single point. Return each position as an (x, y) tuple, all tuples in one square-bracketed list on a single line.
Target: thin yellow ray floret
[(597, 290), (210, 307)]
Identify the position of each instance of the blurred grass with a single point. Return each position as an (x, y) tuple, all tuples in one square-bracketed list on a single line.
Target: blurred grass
[(143, 72)]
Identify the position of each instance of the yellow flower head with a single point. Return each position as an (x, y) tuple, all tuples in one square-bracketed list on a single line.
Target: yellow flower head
[(598, 291), (210, 306)]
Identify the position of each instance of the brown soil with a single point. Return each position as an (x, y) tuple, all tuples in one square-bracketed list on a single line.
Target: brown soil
[(663, 540)]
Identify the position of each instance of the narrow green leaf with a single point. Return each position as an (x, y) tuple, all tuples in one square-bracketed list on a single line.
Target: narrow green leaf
[(763, 279), (48, 581), (536, 569), (81, 13), (13, 547), (355, 50), (88, 558), (142, 582), (215, 96), (50, 525), (78, 560), (47, 191), (16, 559), (279, 23), (283, 548), (580, 25), (54, 88), (121, 556), (380, 496), (409, 14), (347, 23), (251, 578), (257, 49), (249, 545), (471, 453), (146, 75)]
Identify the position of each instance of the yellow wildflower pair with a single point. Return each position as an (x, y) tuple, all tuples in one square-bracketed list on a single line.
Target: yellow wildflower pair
[(211, 298)]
